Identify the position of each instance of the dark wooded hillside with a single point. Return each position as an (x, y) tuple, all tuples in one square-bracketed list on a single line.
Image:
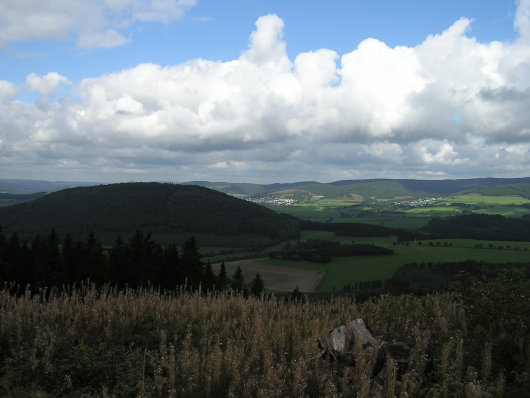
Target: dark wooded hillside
[(153, 207)]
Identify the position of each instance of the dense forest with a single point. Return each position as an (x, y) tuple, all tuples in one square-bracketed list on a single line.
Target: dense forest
[(109, 210), (352, 229), (138, 262), (322, 251), (428, 278)]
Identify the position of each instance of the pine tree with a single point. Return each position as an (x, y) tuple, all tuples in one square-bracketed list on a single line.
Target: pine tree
[(118, 260), (257, 286), (221, 277), (238, 280), (171, 274), (94, 260), (68, 260), (51, 266), (209, 278), (145, 259), (191, 262)]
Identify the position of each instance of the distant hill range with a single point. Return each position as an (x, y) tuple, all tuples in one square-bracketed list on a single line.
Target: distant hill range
[(377, 188), (169, 211), (13, 186), (304, 190)]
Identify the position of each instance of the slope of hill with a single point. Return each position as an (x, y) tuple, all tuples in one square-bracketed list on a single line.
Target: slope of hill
[(165, 209)]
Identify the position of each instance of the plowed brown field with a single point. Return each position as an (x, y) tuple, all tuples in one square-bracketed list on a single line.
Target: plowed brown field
[(275, 277)]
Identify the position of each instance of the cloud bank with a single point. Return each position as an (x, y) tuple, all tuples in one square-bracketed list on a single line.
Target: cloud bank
[(94, 23), (450, 107)]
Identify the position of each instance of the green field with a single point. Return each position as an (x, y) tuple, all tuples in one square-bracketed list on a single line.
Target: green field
[(343, 271), (488, 200), (408, 213)]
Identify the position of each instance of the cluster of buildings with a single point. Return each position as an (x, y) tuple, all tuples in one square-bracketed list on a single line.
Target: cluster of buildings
[(418, 202), (272, 200)]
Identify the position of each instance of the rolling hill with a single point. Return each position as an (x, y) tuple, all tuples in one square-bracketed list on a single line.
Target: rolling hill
[(344, 189), (169, 211), (376, 188)]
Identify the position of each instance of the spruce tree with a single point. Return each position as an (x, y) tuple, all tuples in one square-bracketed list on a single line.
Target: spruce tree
[(171, 274), (257, 286), (209, 278), (238, 280), (191, 262), (221, 278)]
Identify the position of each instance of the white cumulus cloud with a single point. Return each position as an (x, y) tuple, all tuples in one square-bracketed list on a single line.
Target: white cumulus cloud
[(450, 106), (93, 23)]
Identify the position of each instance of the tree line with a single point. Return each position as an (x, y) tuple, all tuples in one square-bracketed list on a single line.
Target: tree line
[(323, 251), (140, 261)]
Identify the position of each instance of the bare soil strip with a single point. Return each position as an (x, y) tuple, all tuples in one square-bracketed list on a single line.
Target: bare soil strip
[(275, 277)]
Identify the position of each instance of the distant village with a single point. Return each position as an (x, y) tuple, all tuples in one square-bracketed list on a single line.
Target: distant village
[(272, 200), (418, 202)]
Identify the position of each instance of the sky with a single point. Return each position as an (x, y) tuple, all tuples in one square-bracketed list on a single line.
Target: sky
[(264, 91)]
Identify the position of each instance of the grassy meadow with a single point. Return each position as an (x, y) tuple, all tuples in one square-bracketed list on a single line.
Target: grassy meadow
[(402, 212), (343, 271), (89, 342)]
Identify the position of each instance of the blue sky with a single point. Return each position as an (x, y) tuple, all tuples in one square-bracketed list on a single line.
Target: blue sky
[(264, 91)]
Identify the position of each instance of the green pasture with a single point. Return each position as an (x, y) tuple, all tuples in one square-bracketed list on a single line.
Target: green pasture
[(385, 212), (396, 220), (336, 202), (506, 211), (434, 211), (308, 211), (513, 200), (318, 212), (350, 270)]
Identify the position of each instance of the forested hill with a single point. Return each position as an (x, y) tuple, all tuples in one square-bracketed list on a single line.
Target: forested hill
[(108, 210)]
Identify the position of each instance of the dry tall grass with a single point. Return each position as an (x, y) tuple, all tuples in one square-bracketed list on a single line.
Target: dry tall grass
[(104, 342)]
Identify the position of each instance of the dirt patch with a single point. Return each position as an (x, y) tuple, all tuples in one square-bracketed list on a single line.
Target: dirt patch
[(275, 277)]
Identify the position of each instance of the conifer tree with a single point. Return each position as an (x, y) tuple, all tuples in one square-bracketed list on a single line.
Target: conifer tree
[(191, 262), (209, 278), (257, 286), (171, 274), (238, 280), (145, 259), (221, 277), (68, 259), (94, 260), (118, 258)]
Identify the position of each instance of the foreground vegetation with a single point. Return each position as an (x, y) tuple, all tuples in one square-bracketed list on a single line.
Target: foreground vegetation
[(127, 343)]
